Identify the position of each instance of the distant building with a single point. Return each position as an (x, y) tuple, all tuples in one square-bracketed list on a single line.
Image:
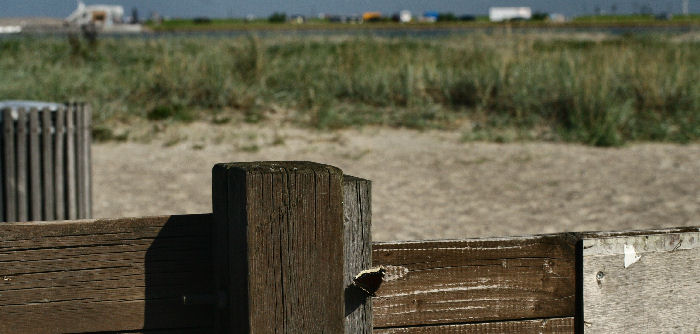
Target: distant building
[(405, 16), (344, 18), (498, 14), (557, 18), (371, 16), (297, 18), (100, 15), (430, 16)]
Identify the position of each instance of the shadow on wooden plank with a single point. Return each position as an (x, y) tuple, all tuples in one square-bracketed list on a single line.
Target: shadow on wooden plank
[(179, 278)]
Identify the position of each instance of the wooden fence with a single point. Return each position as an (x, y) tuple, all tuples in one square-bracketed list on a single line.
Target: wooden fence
[(287, 250), (45, 163)]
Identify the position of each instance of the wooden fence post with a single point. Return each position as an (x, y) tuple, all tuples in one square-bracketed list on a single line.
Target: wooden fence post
[(357, 212), (280, 245)]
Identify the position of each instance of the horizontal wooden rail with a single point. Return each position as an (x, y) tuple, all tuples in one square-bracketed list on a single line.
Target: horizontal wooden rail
[(105, 275), (258, 265), (480, 280), (72, 276)]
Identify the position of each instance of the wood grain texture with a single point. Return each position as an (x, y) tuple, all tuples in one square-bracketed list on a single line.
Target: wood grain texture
[(47, 161), (224, 243), (2, 169), (9, 175), (80, 163), (291, 217), (87, 131), (533, 326), (642, 283), (22, 205), (71, 182), (104, 275), (35, 165), (84, 116), (629, 233), (357, 212), (59, 153), (444, 282)]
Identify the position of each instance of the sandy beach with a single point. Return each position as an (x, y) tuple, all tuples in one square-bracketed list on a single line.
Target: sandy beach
[(426, 184)]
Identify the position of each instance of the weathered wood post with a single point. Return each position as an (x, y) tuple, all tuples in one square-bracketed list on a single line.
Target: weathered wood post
[(357, 212), (285, 248)]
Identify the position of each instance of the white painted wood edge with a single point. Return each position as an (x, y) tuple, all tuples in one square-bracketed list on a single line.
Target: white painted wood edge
[(634, 246)]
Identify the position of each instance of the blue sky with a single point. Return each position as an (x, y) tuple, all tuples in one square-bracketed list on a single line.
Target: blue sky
[(240, 8)]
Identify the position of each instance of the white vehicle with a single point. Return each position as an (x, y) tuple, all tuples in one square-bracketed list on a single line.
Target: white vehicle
[(499, 14)]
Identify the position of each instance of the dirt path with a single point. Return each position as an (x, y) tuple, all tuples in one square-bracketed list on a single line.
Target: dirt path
[(426, 185)]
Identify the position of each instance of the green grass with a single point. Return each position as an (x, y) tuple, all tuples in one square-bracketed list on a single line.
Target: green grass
[(509, 87)]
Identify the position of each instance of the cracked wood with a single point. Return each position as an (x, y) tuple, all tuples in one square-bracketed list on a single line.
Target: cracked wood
[(282, 247)]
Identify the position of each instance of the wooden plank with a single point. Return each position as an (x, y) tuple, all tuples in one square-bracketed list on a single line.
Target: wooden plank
[(641, 283), (2, 170), (10, 177), (34, 154), (79, 317), (87, 184), (629, 233), (21, 140), (105, 275), (71, 182), (35, 166), (357, 210), (82, 157), (47, 161), (224, 244), (79, 159), (444, 282), (59, 154), (291, 218), (532, 326), (197, 330)]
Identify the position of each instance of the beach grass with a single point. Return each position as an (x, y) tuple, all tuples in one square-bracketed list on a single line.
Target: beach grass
[(599, 91)]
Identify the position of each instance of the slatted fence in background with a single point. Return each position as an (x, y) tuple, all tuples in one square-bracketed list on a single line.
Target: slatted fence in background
[(45, 162)]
